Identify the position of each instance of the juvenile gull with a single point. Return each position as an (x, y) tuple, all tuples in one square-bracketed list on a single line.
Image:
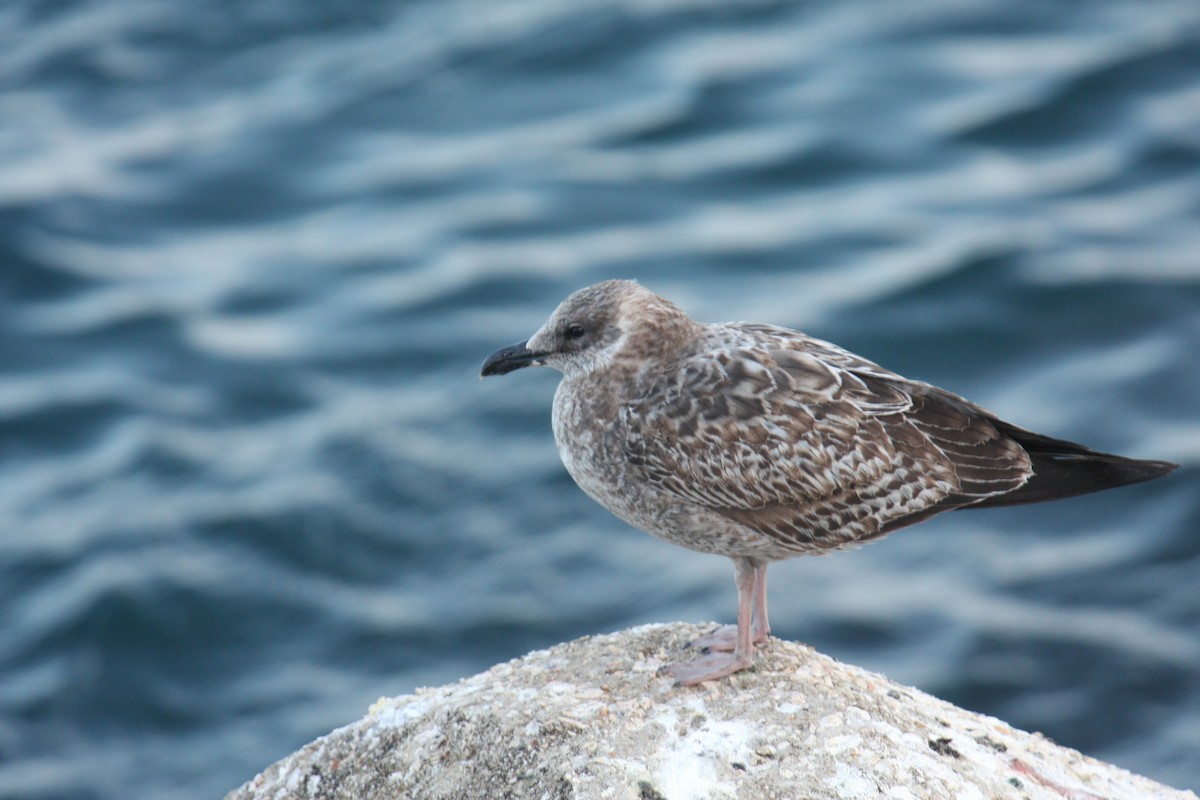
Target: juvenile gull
[(762, 443)]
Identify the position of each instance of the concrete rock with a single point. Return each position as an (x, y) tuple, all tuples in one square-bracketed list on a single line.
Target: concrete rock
[(594, 718)]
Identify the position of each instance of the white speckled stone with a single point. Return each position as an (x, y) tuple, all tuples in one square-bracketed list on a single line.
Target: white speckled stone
[(593, 719)]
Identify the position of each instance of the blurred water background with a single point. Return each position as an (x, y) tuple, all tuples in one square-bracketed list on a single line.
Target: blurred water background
[(252, 255)]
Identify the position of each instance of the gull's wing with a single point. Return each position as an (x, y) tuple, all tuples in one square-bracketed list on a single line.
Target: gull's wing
[(811, 445)]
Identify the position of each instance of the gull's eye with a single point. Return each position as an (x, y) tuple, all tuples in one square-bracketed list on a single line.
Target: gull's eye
[(575, 331)]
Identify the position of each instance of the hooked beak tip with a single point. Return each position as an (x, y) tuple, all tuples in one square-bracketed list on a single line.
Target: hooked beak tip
[(510, 358)]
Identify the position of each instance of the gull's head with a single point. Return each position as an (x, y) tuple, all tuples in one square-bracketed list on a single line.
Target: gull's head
[(594, 327)]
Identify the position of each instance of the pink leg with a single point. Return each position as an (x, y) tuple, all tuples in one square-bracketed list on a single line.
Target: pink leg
[(718, 665), (762, 628), (724, 638)]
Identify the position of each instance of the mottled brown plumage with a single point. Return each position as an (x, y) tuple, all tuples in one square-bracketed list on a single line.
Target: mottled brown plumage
[(762, 443)]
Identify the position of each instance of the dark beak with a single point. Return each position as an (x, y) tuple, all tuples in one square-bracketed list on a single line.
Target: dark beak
[(506, 359)]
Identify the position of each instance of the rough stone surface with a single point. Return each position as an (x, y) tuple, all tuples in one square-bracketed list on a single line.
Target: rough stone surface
[(594, 718)]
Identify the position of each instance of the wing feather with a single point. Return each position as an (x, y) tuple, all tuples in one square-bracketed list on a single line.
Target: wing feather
[(811, 445)]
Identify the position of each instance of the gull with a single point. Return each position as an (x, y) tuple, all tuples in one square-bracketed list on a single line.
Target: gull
[(761, 443)]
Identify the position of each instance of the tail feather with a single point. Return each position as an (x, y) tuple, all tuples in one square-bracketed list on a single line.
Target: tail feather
[(1065, 469)]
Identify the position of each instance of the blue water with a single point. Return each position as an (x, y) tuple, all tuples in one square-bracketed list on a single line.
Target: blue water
[(252, 255)]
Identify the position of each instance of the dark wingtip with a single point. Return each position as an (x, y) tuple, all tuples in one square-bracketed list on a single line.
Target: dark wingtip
[(1149, 470), (1077, 471), (1127, 470)]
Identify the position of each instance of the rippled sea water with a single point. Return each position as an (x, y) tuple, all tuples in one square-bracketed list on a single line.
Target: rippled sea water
[(252, 255)]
